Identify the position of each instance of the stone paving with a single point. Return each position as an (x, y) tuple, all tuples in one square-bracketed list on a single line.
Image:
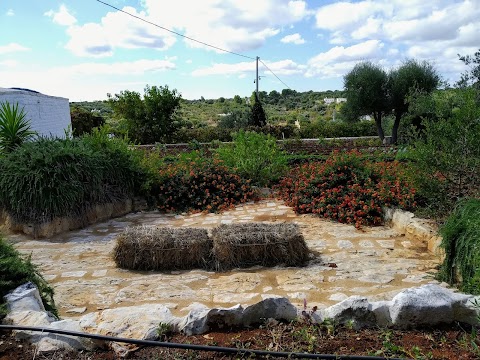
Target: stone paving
[(373, 262)]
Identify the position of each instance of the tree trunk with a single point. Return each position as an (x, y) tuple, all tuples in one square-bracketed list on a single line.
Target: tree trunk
[(396, 125), (378, 122)]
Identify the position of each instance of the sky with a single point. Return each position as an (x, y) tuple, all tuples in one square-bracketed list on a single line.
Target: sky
[(84, 50)]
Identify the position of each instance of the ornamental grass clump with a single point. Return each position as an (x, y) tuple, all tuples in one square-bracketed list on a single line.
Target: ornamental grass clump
[(249, 244), (461, 241), (161, 248), (200, 185), (347, 188), (53, 177)]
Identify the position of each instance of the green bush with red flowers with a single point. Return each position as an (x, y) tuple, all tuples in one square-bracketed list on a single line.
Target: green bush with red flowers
[(199, 184), (347, 188)]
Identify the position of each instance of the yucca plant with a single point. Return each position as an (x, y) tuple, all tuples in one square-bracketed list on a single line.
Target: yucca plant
[(14, 126)]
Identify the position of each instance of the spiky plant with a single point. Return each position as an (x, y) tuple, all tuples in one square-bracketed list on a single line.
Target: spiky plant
[(14, 126)]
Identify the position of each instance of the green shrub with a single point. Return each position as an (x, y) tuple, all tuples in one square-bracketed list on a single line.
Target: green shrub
[(446, 153), (54, 177), (195, 183), (461, 241), (15, 270), (347, 188), (254, 156)]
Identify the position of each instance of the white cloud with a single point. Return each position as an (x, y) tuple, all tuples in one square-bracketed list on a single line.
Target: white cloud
[(8, 63), (189, 61), (283, 67), (229, 24), (293, 39), (119, 68), (338, 60), (116, 30), (10, 12), (12, 47), (62, 16), (428, 30), (86, 81)]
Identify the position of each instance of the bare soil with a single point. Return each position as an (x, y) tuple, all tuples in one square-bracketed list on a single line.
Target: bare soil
[(452, 342)]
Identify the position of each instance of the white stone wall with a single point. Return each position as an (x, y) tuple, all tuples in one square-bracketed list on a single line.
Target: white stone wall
[(48, 115)]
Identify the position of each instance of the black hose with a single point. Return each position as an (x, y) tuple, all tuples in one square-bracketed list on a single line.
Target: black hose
[(227, 350)]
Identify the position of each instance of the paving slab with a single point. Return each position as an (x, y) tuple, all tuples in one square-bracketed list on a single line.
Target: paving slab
[(376, 262)]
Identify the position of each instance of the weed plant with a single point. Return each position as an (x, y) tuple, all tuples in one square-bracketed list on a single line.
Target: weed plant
[(16, 270), (461, 241)]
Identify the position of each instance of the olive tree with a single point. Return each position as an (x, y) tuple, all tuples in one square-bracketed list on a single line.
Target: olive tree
[(411, 76), (366, 89)]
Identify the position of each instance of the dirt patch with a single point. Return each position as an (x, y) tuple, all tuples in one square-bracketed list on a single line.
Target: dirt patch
[(453, 342)]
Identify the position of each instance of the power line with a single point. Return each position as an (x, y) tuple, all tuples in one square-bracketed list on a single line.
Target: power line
[(174, 32), (274, 74), (192, 39)]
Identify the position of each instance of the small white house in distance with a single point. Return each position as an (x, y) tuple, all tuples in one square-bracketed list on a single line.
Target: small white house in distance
[(48, 115)]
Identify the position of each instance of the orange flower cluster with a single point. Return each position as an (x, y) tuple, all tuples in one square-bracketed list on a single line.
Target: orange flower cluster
[(347, 188)]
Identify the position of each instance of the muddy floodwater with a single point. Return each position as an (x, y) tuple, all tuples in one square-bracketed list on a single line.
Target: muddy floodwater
[(374, 262)]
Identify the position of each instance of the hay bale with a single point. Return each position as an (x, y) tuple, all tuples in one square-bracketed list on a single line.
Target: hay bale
[(248, 244), (162, 248)]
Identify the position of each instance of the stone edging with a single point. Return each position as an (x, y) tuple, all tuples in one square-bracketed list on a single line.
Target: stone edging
[(97, 213), (429, 304), (405, 223)]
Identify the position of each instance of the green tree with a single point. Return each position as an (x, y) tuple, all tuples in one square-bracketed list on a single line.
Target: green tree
[(151, 119), (84, 121), (471, 77), (14, 127), (366, 88), (258, 117), (411, 76)]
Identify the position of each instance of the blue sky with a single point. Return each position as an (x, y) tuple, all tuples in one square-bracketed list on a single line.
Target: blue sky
[(83, 50)]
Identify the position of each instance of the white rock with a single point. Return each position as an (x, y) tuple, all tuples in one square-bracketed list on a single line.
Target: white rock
[(201, 320), (24, 297), (430, 305), (50, 342), (381, 309), (274, 308), (355, 309), (134, 322)]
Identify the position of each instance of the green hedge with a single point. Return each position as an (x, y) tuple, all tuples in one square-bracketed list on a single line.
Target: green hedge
[(55, 177)]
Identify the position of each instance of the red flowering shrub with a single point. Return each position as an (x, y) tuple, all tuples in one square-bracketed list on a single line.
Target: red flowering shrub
[(200, 186), (347, 188)]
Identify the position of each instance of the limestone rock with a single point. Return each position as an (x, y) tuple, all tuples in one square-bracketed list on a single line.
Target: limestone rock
[(201, 319), (134, 322), (24, 297), (50, 342), (430, 305), (270, 308), (355, 309)]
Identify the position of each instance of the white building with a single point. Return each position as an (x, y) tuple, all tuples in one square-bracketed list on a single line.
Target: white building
[(48, 115)]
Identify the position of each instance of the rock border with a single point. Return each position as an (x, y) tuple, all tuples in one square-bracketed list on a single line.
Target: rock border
[(429, 304)]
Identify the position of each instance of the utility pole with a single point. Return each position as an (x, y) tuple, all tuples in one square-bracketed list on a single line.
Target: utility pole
[(256, 80)]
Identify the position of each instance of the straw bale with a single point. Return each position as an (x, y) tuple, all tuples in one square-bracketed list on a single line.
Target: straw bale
[(248, 244), (162, 248)]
